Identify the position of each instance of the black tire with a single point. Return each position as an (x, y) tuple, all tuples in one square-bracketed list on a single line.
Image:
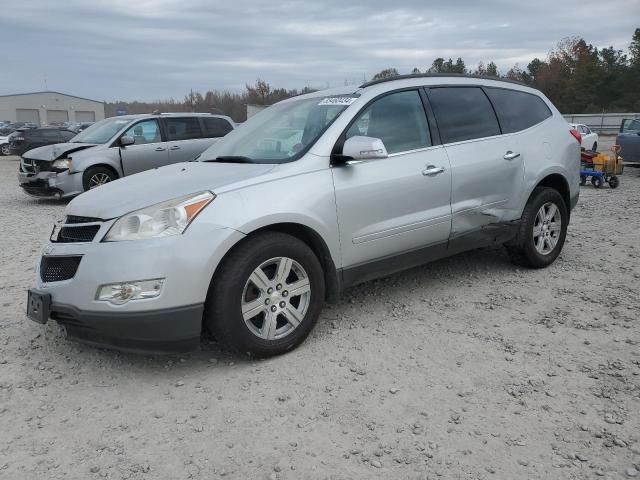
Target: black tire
[(522, 249), (595, 147), (597, 182), (91, 175), (583, 180), (4, 150), (223, 308), (614, 182)]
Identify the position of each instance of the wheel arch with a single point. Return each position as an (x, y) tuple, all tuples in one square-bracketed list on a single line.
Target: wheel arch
[(559, 183), (103, 165), (313, 240)]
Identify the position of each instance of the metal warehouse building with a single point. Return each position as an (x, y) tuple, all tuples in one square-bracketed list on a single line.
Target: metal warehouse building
[(45, 108)]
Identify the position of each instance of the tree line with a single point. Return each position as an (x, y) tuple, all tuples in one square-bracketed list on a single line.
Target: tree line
[(576, 76)]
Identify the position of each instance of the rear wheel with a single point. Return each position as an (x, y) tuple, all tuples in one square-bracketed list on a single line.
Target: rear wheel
[(614, 182), (597, 182), (583, 179), (96, 176), (543, 229), (595, 147), (4, 149), (266, 296)]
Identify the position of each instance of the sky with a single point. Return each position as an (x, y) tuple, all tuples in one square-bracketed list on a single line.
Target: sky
[(158, 49)]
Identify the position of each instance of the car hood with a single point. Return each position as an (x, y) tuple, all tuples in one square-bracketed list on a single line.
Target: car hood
[(58, 150), (160, 184)]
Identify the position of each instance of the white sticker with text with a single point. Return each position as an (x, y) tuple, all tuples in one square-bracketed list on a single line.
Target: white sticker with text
[(343, 101)]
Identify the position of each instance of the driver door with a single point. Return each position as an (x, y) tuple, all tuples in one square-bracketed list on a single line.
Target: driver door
[(396, 205), (148, 150)]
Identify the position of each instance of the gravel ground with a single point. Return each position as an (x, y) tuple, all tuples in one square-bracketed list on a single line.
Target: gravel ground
[(468, 368)]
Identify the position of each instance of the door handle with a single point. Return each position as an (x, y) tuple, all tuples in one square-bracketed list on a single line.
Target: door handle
[(175, 147), (432, 170), (160, 149), (511, 155)]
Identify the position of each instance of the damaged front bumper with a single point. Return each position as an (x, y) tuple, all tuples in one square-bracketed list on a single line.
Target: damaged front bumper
[(48, 184)]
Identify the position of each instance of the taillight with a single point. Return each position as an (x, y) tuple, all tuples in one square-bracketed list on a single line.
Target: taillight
[(576, 134)]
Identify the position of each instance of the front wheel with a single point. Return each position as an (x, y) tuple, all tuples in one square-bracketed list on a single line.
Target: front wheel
[(4, 149), (583, 180), (595, 147), (614, 182), (542, 231), (597, 182), (96, 176), (266, 296)]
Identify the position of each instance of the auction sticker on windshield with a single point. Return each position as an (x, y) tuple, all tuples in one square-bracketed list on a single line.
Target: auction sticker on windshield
[(345, 101)]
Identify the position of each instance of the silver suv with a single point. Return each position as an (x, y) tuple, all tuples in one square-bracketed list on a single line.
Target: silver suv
[(312, 195), (117, 147)]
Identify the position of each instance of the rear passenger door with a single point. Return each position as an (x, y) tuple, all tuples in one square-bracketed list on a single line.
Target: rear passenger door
[(486, 168), (184, 137)]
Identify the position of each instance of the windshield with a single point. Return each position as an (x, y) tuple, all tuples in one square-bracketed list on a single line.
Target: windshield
[(101, 132), (280, 133)]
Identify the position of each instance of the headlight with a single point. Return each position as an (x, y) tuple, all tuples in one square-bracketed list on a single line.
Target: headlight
[(62, 164), (161, 220)]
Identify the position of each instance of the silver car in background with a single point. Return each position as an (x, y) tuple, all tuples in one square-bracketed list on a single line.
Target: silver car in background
[(310, 196), (117, 147)]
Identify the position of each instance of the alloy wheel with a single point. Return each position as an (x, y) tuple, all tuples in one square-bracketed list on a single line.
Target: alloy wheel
[(276, 298), (547, 228), (98, 179)]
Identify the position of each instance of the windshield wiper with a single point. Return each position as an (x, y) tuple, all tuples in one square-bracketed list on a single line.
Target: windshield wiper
[(231, 159)]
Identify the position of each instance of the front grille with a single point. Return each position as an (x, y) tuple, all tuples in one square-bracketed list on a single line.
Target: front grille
[(75, 230), (57, 269), (29, 165), (78, 219), (77, 234)]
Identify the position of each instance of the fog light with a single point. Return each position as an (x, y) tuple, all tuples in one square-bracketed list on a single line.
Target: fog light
[(121, 293)]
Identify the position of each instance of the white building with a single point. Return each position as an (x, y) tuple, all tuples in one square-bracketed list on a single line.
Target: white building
[(45, 108)]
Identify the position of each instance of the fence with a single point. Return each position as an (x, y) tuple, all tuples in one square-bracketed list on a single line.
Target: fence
[(601, 122)]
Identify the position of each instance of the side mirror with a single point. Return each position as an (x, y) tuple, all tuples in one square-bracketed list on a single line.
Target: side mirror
[(126, 140), (363, 148)]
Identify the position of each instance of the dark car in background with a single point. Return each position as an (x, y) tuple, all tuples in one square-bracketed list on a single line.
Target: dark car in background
[(629, 139), (15, 126), (25, 140)]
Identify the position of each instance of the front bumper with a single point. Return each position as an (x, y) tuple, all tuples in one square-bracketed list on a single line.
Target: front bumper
[(171, 330), (186, 262), (51, 184)]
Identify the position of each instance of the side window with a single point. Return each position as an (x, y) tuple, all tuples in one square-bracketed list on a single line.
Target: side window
[(519, 110), (398, 119), (143, 132), (216, 127), (182, 128), (50, 134), (463, 113)]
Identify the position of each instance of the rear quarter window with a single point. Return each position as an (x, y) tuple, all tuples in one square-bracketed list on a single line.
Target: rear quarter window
[(463, 113), (216, 127), (518, 110)]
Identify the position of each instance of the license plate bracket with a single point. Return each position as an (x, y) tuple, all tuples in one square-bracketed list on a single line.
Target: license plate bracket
[(38, 306)]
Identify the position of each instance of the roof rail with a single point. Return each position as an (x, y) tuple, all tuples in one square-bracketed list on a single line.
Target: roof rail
[(440, 75)]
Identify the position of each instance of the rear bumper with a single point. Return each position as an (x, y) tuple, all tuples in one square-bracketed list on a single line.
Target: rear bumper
[(170, 330)]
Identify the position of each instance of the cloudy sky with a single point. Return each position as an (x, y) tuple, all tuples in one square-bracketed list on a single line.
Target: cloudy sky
[(152, 49)]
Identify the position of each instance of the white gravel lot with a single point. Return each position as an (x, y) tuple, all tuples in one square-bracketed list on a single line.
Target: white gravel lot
[(468, 368)]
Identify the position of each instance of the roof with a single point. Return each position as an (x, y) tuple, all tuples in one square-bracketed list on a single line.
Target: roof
[(440, 75), (170, 114), (53, 92)]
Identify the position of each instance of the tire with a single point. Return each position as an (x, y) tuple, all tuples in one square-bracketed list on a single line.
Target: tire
[(232, 290), (4, 150), (597, 182), (614, 182), (583, 180), (524, 249), (95, 176), (595, 147)]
